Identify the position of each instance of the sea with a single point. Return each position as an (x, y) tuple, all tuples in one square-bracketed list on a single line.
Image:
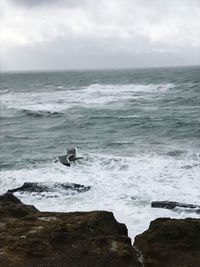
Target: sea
[(138, 131)]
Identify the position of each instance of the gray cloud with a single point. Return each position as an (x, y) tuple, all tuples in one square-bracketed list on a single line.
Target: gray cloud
[(36, 3), (82, 53), (65, 34)]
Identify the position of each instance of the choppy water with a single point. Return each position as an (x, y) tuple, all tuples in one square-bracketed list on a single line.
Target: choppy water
[(138, 130)]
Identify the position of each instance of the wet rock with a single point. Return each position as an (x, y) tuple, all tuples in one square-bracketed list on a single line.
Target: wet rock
[(69, 188), (171, 243), (9, 198), (12, 207), (77, 239), (176, 206)]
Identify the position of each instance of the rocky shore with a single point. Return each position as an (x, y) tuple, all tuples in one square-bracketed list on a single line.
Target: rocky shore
[(171, 243), (30, 238)]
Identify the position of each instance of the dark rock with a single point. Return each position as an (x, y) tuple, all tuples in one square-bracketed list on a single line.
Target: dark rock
[(174, 205), (171, 243), (12, 207), (50, 187), (77, 239), (9, 198)]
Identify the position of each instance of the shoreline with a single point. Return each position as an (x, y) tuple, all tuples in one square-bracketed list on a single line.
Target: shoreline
[(30, 237)]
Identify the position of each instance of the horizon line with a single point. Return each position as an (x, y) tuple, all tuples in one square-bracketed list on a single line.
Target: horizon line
[(82, 69)]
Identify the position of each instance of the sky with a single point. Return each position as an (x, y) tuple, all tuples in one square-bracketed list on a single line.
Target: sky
[(92, 34)]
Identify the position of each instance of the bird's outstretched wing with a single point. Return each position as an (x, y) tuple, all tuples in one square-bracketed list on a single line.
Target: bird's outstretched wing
[(64, 160)]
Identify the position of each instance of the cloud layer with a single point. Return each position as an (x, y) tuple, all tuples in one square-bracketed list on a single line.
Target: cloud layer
[(92, 34)]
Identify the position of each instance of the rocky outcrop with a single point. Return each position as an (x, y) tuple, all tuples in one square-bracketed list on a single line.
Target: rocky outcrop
[(30, 238), (12, 207), (68, 188), (171, 243), (177, 206)]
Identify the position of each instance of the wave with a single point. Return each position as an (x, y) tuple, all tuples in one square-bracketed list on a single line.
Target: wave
[(12, 113), (40, 113), (144, 171), (94, 95), (16, 137), (98, 88), (120, 184), (4, 91), (176, 153)]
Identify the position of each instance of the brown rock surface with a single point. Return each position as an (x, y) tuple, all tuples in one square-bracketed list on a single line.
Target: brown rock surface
[(29, 238), (171, 243)]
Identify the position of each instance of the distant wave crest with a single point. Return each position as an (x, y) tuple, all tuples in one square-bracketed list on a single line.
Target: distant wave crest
[(45, 103), (40, 113)]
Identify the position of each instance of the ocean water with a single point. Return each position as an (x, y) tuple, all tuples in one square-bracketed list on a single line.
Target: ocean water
[(138, 131)]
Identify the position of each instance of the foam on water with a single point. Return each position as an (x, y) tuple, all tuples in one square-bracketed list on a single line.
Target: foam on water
[(112, 88), (141, 125), (124, 185), (95, 95)]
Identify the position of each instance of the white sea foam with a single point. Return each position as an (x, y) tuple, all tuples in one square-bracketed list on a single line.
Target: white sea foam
[(95, 95), (123, 185), (131, 88)]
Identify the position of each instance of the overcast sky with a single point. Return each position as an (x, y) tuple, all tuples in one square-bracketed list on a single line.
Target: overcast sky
[(68, 34)]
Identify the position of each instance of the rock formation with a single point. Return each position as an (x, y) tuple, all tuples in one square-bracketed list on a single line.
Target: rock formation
[(30, 238), (171, 243), (69, 188), (176, 206)]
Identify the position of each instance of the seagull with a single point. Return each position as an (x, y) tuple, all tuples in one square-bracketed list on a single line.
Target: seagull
[(70, 156)]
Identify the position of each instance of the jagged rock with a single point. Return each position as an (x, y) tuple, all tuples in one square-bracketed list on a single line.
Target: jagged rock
[(171, 243), (12, 207), (176, 205), (51, 187), (77, 239), (9, 198)]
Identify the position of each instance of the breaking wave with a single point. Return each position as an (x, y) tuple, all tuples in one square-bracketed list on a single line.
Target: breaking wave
[(124, 185), (95, 95)]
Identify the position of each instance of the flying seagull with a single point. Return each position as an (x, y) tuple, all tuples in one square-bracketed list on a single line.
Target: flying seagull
[(70, 156)]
